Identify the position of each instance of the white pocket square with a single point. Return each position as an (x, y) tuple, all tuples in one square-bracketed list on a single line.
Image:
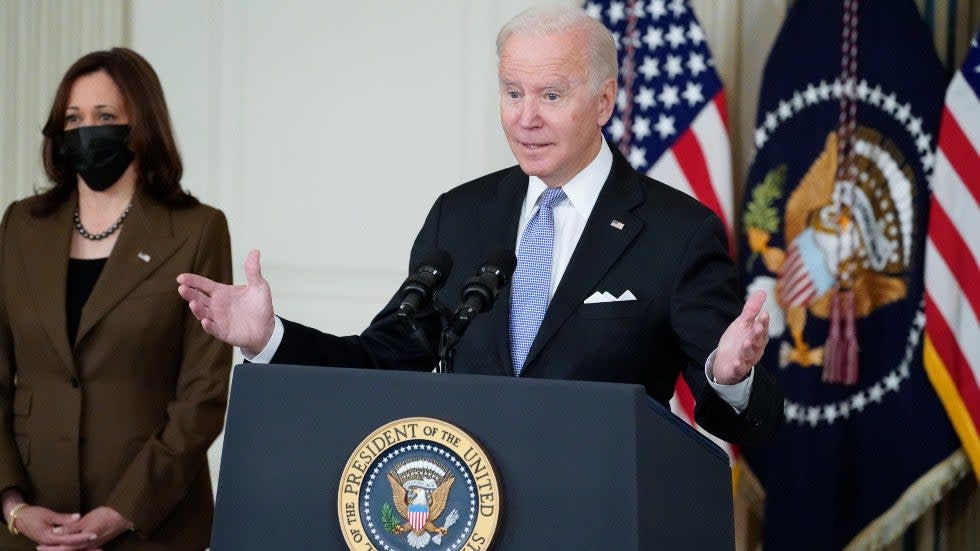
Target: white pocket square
[(606, 296)]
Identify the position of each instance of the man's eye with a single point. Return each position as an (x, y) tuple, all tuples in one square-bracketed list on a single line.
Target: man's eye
[(513, 95), (551, 97)]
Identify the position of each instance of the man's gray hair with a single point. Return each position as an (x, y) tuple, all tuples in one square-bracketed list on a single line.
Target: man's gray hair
[(600, 47)]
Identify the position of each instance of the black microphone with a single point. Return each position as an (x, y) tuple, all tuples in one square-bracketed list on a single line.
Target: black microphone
[(479, 294), (481, 290), (428, 277)]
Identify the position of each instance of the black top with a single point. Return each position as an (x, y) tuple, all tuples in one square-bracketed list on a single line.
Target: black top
[(82, 275)]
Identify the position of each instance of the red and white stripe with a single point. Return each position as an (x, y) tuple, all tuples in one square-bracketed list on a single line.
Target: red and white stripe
[(795, 284), (952, 276), (417, 519), (700, 162), (700, 165)]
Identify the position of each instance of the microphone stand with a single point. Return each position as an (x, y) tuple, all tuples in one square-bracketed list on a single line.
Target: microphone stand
[(453, 327), (447, 340), (479, 294), (447, 355)]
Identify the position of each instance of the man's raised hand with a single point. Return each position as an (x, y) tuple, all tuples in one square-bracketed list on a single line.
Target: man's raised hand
[(240, 315)]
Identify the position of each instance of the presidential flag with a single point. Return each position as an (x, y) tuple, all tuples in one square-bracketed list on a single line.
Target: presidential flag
[(834, 228), (952, 345), (670, 119)]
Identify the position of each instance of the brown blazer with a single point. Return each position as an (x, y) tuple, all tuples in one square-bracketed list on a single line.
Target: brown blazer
[(124, 415)]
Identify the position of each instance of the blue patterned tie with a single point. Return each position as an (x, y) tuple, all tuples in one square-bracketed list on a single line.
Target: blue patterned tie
[(532, 278)]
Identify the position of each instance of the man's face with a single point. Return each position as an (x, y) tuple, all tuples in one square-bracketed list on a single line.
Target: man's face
[(550, 115)]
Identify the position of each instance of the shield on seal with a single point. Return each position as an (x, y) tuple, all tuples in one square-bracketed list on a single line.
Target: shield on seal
[(418, 514)]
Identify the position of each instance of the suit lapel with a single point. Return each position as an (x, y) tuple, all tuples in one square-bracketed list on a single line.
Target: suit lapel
[(145, 242), (498, 220), (597, 250), (47, 270)]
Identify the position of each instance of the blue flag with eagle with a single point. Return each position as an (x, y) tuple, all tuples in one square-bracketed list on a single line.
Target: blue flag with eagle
[(833, 228)]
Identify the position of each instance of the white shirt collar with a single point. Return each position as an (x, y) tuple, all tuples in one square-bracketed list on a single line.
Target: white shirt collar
[(582, 190)]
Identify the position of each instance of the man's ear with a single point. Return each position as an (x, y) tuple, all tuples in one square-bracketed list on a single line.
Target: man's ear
[(606, 101)]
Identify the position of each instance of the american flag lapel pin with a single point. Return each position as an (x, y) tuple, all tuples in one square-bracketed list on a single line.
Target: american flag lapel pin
[(617, 224)]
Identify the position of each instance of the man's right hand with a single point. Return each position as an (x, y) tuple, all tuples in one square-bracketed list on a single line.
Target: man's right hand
[(240, 315)]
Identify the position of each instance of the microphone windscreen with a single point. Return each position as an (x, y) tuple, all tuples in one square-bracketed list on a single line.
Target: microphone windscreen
[(440, 259)]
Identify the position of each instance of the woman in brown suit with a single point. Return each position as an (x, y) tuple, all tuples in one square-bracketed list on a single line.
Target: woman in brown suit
[(110, 391)]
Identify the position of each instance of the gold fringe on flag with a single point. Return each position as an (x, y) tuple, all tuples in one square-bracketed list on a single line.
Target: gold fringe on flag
[(922, 495), (953, 402)]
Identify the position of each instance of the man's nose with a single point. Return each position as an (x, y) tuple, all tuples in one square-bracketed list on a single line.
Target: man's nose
[(530, 114)]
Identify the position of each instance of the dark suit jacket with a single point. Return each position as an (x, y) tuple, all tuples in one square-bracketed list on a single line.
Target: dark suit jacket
[(124, 415), (671, 253)]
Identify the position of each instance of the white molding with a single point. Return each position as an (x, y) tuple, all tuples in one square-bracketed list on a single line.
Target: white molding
[(42, 38)]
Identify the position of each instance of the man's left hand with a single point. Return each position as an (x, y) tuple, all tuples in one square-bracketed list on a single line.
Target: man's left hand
[(104, 522), (743, 343)]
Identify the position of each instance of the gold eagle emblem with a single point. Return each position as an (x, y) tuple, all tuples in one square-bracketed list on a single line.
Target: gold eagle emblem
[(420, 490), (850, 236)]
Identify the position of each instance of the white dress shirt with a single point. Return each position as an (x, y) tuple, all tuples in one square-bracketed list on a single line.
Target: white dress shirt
[(581, 193)]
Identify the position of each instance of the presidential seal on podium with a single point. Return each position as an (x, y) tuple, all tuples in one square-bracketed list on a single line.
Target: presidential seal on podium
[(419, 483)]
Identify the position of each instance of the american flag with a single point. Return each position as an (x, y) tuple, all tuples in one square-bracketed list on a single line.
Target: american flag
[(670, 119), (952, 347)]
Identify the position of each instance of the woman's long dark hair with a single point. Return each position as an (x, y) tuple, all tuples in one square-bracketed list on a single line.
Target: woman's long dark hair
[(150, 138)]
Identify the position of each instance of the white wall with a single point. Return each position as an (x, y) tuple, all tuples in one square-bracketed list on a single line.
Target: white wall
[(325, 130)]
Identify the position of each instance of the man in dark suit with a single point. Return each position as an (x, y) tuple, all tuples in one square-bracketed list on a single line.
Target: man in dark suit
[(619, 277)]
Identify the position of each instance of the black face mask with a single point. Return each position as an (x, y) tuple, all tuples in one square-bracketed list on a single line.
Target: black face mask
[(98, 154)]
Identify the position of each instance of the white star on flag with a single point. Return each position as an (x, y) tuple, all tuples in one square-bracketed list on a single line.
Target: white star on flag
[(637, 156), (616, 128), (653, 38), (665, 126), (677, 6), (657, 9), (669, 96), (675, 36), (810, 95), (645, 98), (695, 64), (695, 34), (617, 12), (693, 94), (641, 128), (649, 68)]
